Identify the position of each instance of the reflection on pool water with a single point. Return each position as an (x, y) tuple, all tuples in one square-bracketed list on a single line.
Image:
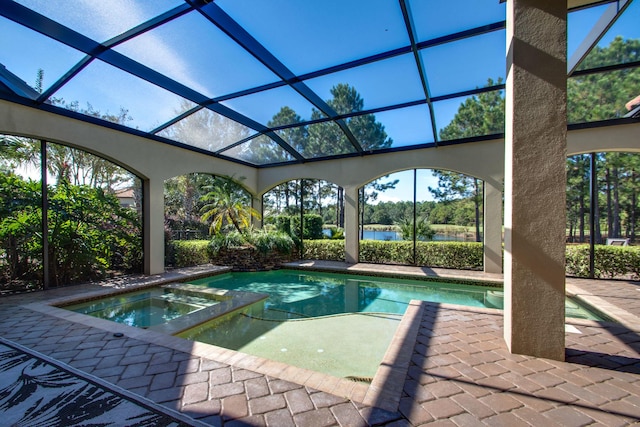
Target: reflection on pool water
[(294, 294), (338, 324)]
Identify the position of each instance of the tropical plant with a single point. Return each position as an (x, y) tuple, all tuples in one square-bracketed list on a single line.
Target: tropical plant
[(336, 233), (89, 232), (227, 203), (423, 229), (263, 240)]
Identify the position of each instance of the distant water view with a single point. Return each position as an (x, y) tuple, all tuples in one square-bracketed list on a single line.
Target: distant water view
[(394, 235)]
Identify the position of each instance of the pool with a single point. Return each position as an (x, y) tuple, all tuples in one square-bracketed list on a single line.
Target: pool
[(143, 308), (295, 294), (169, 308), (338, 324)]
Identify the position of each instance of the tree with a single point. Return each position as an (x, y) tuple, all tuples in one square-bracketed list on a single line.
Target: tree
[(16, 150), (205, 129), (226, 202), (423, 230), (478, 115), (326, 138), (577, 194), (453, 185), (89, 233), (601, 96), (481, 114), (369, 193)]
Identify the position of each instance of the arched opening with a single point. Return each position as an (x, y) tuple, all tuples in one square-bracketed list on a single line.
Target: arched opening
[(74, 217), (401, 212)]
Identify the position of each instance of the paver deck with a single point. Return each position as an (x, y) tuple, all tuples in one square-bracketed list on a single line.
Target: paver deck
[(447, 366)]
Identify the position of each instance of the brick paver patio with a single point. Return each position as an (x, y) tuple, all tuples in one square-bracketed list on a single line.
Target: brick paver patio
[(449, 367)]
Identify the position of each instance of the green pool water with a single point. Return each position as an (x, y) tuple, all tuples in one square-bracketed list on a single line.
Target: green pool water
[(338, 324)]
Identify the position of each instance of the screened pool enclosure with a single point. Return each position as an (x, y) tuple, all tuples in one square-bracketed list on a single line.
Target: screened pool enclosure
[(341, 91)]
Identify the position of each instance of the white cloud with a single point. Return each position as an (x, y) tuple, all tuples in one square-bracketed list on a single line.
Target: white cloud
[(104, 19), (100, 18)]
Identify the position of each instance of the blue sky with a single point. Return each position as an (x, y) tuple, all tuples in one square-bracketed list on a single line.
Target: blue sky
[(579, 25), (305, 36)]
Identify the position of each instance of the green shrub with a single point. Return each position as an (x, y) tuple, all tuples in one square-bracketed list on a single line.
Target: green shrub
[(458, 255), (609, 261), (577, 260), (283, 223), (634, 259), (326, 249), (190, 252), (386, 252), (263, 240), (266, 241), (90, 234), (312, 226)]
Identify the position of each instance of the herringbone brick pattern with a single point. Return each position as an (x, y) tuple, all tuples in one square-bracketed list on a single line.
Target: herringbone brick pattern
[(460, 373)]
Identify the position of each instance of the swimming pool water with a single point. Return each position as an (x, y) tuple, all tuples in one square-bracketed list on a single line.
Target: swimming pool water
[(295, 294), (339, 324), (143, 309)]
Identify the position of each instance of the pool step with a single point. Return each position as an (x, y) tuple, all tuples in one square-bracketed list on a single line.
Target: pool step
[(227, 302), (198, 291)]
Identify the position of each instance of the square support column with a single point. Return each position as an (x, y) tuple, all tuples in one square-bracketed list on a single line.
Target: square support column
[(492, 229), (351, 225), (535, 178), (153, 225)]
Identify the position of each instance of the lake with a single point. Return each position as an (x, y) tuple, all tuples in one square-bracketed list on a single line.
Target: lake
[(394, 235)]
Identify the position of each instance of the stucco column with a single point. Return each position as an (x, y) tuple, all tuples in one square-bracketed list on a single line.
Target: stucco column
[(256, 203), (351, 231), (492, 229), (535, 181), (153, 225)]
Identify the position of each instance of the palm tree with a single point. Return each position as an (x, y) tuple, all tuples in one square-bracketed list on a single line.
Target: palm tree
[(423, 229), (227, 203), (16, 150)]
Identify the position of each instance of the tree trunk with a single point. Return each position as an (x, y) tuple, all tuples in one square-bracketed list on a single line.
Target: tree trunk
[(286, 196), (477, 200), (634, 204), (319, 198), (597, 233), (616, 203), (189, 198), (571, 231), (361, 209), (581, 211), (609, 204), (340, 209)]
